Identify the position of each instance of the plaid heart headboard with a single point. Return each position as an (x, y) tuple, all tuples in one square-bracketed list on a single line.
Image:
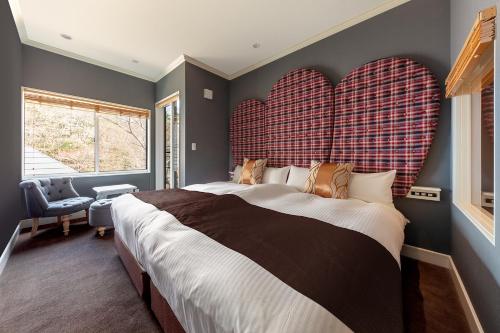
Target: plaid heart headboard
[(299, 119), (247, 131), (386, 113)]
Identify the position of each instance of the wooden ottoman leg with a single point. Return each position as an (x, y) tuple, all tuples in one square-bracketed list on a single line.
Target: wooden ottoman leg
[(101, 230), (65, 219), (34, 226), (87, 215)]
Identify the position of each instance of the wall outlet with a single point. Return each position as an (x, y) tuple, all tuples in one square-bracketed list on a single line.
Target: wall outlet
[(424, 193), (193, 146), (208, 94)]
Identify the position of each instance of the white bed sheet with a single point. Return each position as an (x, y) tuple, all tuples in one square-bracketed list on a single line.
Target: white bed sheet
[(384, 223), (212, 288)]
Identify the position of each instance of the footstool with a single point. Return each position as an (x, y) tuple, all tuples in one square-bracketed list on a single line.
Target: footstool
[(100, 215)]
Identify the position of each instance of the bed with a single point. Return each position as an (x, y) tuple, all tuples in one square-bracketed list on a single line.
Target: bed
[(226, 257), (205, 282)]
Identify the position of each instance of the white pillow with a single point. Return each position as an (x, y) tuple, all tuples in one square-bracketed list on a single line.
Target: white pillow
[(237, 173), (372, 187), (298, 177), (275, 175)]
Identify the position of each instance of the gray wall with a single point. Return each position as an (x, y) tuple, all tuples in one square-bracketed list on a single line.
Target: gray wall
[(420, 30), (477, 260), (207, 124), (203, 121), (53, 72), (175, 81), (10, 137)]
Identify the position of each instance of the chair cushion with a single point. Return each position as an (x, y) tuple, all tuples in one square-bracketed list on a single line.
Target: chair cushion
[(56, 189), (101, 204), (68, 206)]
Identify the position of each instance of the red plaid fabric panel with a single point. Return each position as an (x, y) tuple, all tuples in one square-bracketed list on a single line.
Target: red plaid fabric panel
[(487, 109), (386, 114), (299, 119), (246, 131)]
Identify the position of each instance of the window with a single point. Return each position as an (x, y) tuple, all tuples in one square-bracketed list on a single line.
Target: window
[(471, 85), (482, 137), (71, 135)]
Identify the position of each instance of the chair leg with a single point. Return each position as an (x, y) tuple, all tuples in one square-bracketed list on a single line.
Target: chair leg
[(34, 226), (65, 220)]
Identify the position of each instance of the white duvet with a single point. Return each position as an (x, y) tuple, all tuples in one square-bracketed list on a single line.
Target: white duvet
[(212, 288)]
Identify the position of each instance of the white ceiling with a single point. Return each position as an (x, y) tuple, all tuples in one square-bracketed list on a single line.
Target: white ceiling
[(217, 35)]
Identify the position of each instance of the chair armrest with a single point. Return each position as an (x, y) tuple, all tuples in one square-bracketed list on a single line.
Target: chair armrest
[(40, 198), (36, 202), (69, 190)]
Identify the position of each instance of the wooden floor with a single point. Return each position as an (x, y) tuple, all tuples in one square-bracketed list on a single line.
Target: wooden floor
[(72, 284), (431, 302)]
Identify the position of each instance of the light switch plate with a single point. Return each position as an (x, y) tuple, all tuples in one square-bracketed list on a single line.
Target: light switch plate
[(208, 94), (193, 146), (424, 193)]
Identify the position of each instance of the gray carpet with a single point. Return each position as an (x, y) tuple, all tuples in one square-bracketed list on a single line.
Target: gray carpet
[(74, 284)]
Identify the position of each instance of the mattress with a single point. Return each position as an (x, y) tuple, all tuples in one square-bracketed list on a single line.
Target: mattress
[(212, 288), (131, 216)]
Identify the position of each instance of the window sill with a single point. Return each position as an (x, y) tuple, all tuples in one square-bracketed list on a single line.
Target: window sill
[(90, 174), (482, 220)]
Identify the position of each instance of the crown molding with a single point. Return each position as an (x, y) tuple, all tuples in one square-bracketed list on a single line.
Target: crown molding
[(16, 11), (23, 36), (86, 59), (387, 5), (15, 8), (206, 67), (185, 58), (170, 67)]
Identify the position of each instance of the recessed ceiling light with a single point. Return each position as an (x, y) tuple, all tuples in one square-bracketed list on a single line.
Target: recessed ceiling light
[(66, 36), (135, 61), (256, 45)]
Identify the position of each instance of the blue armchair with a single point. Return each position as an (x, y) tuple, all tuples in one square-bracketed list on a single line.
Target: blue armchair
[(53, 197)]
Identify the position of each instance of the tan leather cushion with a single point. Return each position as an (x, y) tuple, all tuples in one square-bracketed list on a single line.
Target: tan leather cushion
[(252, 171), (329, 180)]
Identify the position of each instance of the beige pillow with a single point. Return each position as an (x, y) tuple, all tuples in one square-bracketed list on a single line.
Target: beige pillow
[(372, 187), (237, 174), (275, 175), (252, 171), (297, 177), (329, 180)]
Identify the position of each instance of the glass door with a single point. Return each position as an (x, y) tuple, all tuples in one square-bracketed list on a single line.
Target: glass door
[(172, 141)]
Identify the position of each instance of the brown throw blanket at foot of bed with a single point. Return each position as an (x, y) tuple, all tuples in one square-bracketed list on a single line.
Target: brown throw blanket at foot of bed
[(348, 273)]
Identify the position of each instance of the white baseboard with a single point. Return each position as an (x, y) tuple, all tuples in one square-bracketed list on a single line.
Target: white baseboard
[(8, 249), (470, 313), (27, 223), (428, 256), (446, 261)]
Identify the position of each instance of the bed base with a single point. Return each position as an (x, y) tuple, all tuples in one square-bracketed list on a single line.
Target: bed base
[(140, 279), (147, 290), (163, 312)]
